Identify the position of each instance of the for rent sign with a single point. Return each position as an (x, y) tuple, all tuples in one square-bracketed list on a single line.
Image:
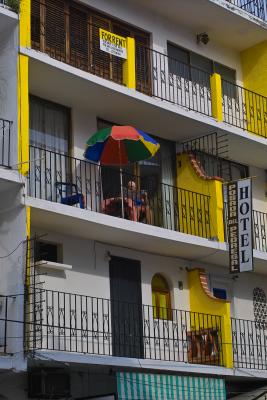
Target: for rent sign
[(240, 237), (113, 44)]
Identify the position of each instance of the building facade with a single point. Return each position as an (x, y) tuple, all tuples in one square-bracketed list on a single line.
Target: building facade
[(104, 297)]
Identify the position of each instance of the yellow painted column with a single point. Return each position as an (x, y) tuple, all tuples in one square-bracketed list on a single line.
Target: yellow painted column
[(216, 97), (25, 23), (129, 71), (23, 87)]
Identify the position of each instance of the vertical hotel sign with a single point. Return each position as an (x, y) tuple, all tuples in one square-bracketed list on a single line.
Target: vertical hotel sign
[(113, 44), (240, 236)]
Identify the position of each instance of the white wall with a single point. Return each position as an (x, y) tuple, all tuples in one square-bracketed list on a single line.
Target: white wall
[(90, 274), (90, 269), (12, 262), (8, 84)]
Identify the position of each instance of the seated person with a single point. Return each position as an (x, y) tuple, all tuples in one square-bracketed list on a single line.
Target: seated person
[(140, 200), (145, 215)]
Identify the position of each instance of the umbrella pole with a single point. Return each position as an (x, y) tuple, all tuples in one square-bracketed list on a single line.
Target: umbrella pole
[(122, 200)]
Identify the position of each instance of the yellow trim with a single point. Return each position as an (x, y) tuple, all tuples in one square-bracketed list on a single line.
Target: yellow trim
[(129, 75), (25, 23), (216, 97), (200, 302), (23, 114), (189, 180)]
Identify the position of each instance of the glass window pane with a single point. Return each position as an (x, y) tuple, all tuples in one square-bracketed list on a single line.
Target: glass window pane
[(201, 62), (226, 73), (178, 61)]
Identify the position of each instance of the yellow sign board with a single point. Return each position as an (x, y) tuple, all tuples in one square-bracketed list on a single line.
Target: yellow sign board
[(113, 44)]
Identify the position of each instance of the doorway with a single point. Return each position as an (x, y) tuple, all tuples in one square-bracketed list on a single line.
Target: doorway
[(126, 307)]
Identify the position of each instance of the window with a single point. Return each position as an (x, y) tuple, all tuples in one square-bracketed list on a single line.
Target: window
[(217, 166), (49, 125), (48, 251), (220, 293), (161, 299), (260, 307), (189, 65)]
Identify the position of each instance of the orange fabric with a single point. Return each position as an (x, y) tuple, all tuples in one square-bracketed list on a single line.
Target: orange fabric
[(124, 132)]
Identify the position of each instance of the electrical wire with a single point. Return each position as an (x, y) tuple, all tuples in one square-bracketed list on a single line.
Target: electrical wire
[(13, 251)]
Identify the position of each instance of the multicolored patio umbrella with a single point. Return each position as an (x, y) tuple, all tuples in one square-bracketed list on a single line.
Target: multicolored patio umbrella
[(120, 145)]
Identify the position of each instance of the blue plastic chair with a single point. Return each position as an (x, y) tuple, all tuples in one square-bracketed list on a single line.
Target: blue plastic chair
[(69, 194)]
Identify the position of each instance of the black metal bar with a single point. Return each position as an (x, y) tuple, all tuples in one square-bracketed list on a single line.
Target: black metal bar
[(244, 108), (249, 344), (5, 143)]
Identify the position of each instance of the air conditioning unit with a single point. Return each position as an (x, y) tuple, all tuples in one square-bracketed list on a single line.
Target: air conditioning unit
[(48, 383)]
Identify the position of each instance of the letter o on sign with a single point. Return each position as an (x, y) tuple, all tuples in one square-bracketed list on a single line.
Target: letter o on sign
[(244, 208)]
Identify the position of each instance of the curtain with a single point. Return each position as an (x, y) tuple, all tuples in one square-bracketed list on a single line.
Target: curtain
[(49, 140), (49, 126)]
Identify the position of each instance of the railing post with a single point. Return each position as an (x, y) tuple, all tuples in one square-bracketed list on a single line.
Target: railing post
[(5, 339), (216, 97), (129, 74)]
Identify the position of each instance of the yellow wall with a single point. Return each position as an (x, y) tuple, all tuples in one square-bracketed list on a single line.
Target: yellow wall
[(188, 179), (200, 302), (23, 87), (254, 67)]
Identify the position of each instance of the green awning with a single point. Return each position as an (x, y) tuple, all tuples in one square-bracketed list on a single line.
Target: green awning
[(137, 386)]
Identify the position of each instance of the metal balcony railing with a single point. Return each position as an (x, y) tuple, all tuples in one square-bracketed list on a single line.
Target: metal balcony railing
[(68, 180), (77, 323), (171, 80), (5, 137), (245, 109), (259, 229), (9, 327), (249, 344), (254, 7)]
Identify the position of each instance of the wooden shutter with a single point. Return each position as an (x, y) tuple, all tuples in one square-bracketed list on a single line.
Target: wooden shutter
[(100, 62), (78, 38), (143, 64), (54, 29), (35, 24)]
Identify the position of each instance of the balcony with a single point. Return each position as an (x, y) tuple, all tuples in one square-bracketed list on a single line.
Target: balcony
[(257, 8), (157, 75), (79, 183), (249, 343), (5, 139), (83, 324)]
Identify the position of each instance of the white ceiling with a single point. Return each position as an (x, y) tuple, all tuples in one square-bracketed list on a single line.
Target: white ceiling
[(229, 26)]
